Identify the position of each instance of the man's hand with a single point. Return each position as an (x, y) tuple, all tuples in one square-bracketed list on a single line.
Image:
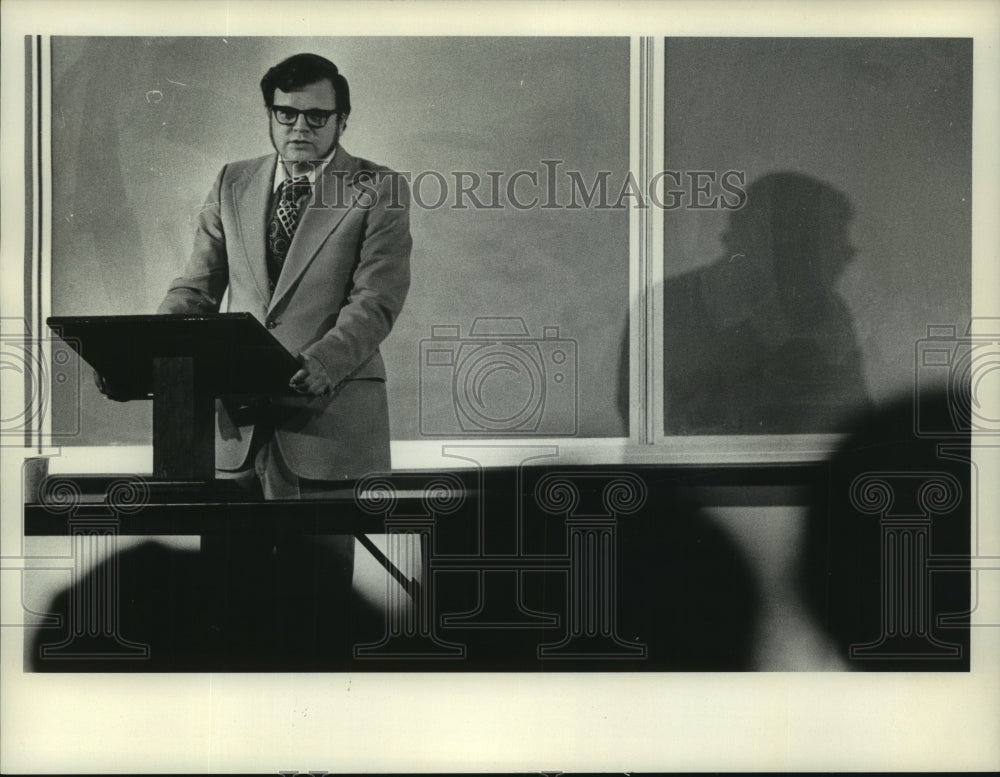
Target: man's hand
[(108, 388), (312, 378)]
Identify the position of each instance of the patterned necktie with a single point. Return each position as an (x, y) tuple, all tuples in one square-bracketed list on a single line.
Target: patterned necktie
[(285, 220)]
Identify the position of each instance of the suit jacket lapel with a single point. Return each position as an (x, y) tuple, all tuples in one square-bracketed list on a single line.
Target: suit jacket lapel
[(333, 197), (251, 194)]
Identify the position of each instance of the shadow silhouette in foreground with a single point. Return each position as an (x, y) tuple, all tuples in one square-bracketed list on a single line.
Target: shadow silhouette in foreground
[(885, 560), (683, 590), (192, 617)]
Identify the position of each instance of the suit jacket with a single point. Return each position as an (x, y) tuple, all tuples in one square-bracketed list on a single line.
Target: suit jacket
[(341, 287)]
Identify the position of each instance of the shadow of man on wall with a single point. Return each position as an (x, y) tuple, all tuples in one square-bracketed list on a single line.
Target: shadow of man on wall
[(759, 341)]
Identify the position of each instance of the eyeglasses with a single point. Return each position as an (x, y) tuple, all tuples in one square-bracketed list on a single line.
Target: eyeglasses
[(315, 117)]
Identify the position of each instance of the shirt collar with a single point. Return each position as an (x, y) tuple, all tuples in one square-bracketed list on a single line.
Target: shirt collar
[(280, 174)]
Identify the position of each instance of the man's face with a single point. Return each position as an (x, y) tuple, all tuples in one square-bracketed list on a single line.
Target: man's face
[(298, 142)]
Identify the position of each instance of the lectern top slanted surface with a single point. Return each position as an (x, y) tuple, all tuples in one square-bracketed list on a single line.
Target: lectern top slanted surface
[(235, 354)]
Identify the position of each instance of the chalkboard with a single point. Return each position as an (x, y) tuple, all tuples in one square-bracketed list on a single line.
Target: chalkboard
[(141, 127), (798, 295)]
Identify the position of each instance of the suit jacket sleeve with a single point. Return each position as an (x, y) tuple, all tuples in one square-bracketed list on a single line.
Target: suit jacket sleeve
[(206, 275), (379, 282)]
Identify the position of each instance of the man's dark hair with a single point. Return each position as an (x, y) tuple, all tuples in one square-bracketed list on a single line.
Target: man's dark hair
[(301, 70)]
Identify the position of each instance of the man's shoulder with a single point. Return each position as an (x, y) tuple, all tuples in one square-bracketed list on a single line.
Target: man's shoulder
[(250, 166), (367, 165), (254, 161), (362, 168)]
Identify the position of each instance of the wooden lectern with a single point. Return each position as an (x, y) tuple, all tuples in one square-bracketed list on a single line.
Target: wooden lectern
[(183, 363)]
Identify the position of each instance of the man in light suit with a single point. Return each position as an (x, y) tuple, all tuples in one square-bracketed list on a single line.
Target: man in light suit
[(315, 244)]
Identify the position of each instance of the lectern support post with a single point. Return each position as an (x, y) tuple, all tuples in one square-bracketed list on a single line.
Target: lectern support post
[(183, 422)]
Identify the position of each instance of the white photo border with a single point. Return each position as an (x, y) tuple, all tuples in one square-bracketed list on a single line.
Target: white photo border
[(492, 722)]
